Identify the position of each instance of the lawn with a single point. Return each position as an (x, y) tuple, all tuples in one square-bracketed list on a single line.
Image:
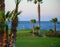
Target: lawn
[(24, 39)]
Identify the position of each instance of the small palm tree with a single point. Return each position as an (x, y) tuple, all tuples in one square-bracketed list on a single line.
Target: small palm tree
[(33, 21), (38, 2), (54, 20), (14, 25), (8, 16)]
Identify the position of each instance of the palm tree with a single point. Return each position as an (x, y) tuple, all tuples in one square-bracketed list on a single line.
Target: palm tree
[(33, 21), (14, 25), (2, 10), (54, 20), (5, 36), (38, 1)]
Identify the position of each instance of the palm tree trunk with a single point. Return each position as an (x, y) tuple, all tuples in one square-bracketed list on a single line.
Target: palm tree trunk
[(54, 27), (5, 32), (2, 5), (39, 17), (14, 29), (13, 33), (7, 40), (1, 38), (33, 31), (2, 9), (5, 37)]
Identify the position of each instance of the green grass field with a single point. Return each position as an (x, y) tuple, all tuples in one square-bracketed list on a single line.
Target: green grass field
[(25, 39)]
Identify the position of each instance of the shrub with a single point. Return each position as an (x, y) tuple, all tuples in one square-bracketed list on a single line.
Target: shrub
[(50, 33), (37, 28)]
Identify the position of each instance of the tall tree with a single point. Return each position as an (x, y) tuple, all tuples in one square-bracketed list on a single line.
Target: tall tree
[(14, 25), (54, 20), (2, 11), (38, 2), (33, 21)]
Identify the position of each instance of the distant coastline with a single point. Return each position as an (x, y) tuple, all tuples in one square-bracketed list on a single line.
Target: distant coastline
[(45, 25)]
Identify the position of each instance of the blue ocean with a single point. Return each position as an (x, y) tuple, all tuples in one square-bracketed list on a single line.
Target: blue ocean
[(44, 25)]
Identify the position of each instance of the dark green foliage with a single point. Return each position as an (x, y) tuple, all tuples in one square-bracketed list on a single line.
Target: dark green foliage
[(17, 2), (11, 15), (2, 17), (50, 33), (1, 13), (29, 0), (39, 0), (5, 20), (36, 28), (18, 13), (7, 14), (0, 25), (35, 1), (50, 30), (33, 21), (54, 20), (58, 33)]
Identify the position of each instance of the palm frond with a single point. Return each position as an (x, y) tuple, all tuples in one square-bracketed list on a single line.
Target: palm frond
[(35, 1), (18, 13), (33, 21), (7, 14), (11, 13), (39, 0), (54, 20), (29, 0), (0, 24), (17, 2)]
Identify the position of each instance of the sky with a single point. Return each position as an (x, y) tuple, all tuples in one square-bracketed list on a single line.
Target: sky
[(49, 9)]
